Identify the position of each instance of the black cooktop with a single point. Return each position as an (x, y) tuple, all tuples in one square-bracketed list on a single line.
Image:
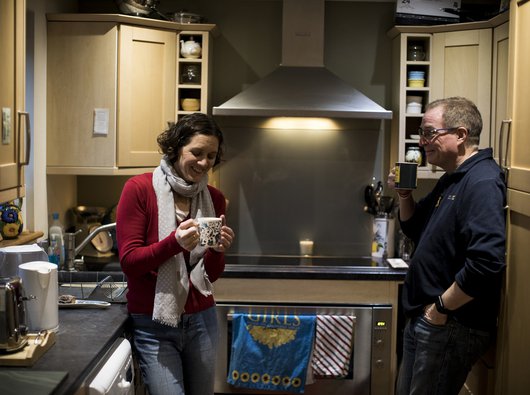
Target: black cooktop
[(297, 260)]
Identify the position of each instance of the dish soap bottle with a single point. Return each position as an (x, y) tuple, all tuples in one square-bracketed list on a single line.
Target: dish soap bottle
[(56, 245)]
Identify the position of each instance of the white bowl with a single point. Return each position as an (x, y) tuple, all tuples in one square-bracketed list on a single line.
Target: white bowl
[(414, 108)]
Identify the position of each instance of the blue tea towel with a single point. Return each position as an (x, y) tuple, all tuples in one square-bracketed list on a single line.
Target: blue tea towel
[(270, 352)]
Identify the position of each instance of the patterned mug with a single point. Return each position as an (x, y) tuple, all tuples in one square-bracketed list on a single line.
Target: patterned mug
[(209, 231)]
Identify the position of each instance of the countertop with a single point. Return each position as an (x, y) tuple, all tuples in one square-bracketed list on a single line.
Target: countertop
[(86, 334), (311, 268), (83, 338)]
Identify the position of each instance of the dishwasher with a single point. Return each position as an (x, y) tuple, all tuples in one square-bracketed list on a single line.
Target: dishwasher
[(114, 374)]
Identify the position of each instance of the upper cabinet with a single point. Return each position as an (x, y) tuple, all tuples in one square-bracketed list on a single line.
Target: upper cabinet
[(193, 71), (499, 91), (457, 62), (15, 132), (411, 91), (112, 89), (462, 67)]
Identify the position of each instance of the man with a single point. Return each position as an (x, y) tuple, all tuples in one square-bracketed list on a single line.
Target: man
[(452, 289)]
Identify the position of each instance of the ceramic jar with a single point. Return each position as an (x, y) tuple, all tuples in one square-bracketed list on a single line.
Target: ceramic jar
[(11, 224), (413, 155), (190, 104), (190, 49)]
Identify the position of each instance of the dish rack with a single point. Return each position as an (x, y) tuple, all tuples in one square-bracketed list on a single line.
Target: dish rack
[(108, 291)]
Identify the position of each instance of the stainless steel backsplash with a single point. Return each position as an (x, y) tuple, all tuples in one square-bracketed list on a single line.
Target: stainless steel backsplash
[(287, 185)]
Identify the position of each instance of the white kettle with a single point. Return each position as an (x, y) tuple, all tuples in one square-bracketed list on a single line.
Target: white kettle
[(39, 280)]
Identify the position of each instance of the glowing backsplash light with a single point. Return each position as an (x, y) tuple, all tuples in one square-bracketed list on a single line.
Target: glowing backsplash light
[(305, 123)]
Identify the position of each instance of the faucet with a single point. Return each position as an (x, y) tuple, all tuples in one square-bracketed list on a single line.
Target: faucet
[(71, 251)]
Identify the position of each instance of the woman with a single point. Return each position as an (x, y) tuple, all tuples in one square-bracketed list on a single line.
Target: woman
[(169, 275)]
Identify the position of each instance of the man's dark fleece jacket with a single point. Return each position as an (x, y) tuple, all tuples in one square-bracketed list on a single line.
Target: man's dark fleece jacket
[(459, 233)]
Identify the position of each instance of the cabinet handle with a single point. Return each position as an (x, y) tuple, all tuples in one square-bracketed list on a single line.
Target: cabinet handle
[(27, 148), (503, 154)]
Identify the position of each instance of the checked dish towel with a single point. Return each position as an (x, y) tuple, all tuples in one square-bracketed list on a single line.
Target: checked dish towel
[(333, 346)]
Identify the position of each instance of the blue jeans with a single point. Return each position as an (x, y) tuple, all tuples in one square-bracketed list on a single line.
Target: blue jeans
[(177, 361), (438, 358)]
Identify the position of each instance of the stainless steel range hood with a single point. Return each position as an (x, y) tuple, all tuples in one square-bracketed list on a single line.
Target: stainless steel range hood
[(301, 86)]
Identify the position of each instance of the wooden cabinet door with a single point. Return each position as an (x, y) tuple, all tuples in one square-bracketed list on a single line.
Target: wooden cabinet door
[(513, 345), (461, 66), (81, 77), (13, 150), (147, 91), (519, 91), (499, 90), (513, 342)]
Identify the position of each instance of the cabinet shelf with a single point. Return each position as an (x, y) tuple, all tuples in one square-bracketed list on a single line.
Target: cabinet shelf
[(407, 123), (199, 90)]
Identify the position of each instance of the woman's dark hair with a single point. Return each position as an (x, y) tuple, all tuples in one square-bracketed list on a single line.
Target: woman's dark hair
[(179, 134)]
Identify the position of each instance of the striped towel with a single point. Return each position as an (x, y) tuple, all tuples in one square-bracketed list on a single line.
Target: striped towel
[(333, 346)]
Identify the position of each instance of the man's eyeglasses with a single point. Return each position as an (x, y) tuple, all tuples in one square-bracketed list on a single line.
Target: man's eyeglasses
[(429, 134)]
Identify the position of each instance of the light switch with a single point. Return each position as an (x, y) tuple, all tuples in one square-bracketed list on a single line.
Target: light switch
[(101, 122), (6, 125)]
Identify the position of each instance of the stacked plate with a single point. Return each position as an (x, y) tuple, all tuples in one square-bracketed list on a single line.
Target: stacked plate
[(416, 79)]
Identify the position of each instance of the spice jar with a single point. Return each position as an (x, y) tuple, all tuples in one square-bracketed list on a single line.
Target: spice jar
[(415, 52), (413, 155)]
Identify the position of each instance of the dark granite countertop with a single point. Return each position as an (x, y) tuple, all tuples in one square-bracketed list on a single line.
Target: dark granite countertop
[(314, 268), (83, 338)]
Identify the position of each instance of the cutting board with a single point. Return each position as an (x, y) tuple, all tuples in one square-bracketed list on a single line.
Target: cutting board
[(36, 347)]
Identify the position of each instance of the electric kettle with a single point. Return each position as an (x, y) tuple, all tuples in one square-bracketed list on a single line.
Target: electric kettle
[(39, 279), (13, 330)]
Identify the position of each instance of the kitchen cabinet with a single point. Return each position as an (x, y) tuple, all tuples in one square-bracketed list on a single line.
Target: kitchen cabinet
[(407, 122), (462, 67), (458, 62), (513, 343), (193, 73), (499, 87), (112, 89), (15, 133)]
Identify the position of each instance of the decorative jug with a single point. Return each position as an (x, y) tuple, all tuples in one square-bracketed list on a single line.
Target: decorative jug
[(11, 220), (190, 49)]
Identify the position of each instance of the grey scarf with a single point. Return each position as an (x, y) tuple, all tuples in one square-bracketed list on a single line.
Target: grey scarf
[(172, 284)]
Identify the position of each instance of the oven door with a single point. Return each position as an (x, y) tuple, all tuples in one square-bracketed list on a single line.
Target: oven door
[(370, 361)]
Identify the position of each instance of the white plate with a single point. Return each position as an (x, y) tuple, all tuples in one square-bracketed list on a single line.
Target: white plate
[(85, 304), (415, 136)]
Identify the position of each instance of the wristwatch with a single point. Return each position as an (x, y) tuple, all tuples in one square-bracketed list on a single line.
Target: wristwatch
[(439, 303)]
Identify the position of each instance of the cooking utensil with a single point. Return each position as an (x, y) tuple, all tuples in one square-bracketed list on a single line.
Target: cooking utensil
[(186, 17), (369, 199), (377, 196), (387, 204)]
